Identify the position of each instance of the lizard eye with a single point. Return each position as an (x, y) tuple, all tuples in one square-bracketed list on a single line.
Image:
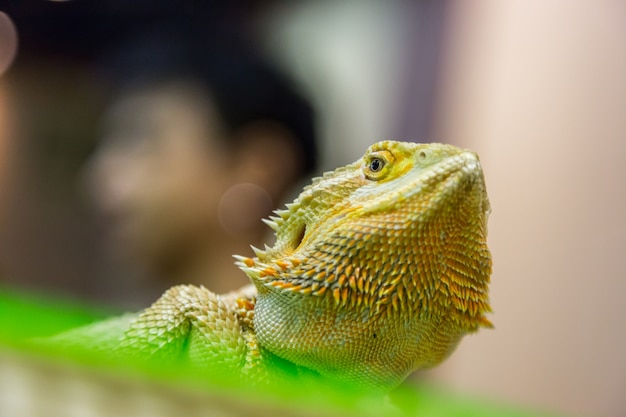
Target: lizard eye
[(376, 164)]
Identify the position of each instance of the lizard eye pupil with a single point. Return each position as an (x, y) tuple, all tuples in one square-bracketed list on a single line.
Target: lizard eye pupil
[(376, 164)]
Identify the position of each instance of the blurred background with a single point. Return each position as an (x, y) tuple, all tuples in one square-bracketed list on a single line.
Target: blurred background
[(141, 144)]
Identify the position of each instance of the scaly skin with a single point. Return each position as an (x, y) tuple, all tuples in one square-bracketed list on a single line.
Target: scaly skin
[(379, 268)]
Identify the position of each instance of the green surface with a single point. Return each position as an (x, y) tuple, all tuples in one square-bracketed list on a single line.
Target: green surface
[(23, 317)]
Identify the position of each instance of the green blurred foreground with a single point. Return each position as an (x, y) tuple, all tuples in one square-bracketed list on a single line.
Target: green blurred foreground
[(53, 381)]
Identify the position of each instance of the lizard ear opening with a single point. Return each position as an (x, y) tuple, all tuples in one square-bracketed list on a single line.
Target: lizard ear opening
[(299, 235)]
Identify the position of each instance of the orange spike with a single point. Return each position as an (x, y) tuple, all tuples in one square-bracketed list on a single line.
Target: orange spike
[(400, 292), (360, 283), (249, 262), (282, 264), (344, 295), (342, 280), (485, 323), (348, 270), (295, 287), (245, 304), (352, 283), (394, 301), (269, 271), (321, 291), (320, 276), (336, 295)]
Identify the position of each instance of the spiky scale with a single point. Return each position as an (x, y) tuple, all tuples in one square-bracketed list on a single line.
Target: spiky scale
[(258, 252)]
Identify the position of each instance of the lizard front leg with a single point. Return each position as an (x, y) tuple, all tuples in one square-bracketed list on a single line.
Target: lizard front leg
[(192, 324)]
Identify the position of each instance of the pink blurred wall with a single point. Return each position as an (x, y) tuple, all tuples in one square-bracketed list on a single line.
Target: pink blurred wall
[(538, 89)]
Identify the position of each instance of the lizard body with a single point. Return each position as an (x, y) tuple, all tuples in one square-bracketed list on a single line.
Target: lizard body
[(378, 269)]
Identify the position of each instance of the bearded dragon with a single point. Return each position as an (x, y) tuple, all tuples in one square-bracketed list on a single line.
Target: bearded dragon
[(379, 268)]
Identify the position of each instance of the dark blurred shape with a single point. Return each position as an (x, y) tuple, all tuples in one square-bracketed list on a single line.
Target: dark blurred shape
[(81, 30), (242, 85)]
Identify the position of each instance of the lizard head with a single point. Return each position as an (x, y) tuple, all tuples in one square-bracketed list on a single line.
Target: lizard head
[(379, 267)]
